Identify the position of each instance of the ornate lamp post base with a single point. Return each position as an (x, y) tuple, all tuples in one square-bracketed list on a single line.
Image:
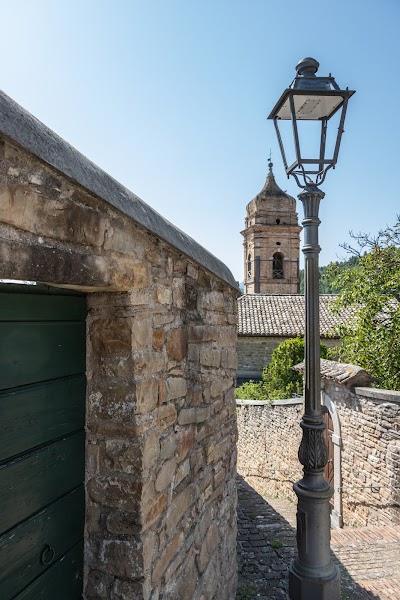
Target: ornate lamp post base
[(306, 580)]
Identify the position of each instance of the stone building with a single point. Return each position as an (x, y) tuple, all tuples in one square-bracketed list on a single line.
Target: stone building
[(271, 242), (363, 439), (117, 380), (266, 320)]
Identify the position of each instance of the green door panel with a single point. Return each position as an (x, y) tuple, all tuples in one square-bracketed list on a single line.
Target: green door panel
[(34, 415), (42, 442), (33, 352), (62, 582), (32, 547), (40, 477), (31, 307)]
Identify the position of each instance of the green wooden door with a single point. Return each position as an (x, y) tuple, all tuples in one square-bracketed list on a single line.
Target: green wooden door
[(42, 442)]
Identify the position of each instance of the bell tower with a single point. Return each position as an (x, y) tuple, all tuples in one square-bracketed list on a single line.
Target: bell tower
[(271, 242)]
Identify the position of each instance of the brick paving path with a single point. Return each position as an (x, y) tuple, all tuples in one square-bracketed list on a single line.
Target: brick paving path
[(368, 558)]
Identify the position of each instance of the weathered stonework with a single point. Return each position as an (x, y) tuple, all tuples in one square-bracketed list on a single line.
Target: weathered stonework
[(268, 443), (366, 447), (370, 454), (161, 366)]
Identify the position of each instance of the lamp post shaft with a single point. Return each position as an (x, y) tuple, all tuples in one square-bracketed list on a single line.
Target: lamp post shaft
[(313, 575)]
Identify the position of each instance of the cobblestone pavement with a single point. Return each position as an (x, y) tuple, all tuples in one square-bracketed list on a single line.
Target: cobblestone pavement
[(368, 558)]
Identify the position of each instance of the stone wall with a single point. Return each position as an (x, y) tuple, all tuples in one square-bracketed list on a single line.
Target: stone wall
[(161, 366), (161, 437), (370, 454), (366, 444), (268, 441)]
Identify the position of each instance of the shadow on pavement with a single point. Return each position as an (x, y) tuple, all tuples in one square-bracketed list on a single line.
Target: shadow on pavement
[(266, 546)]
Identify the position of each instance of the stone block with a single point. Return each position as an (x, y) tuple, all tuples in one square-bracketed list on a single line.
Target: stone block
[(140, 276), (185, 439), (175, 387), (158, 340), (184, 586), (180, 504), (111, 336), (122, 558), (154, 511), (165, 475), (178, 293), (210, 357), (168, 446), (192, 271), (166, 415), (187, 416), (149, 363), (151, 450), (118, 492), (167, 555), (126, 590), (122, 455), (177, 344), (182, 471), (98, 584), (146, 395), (142, 334), (123, 523), (163, 295)]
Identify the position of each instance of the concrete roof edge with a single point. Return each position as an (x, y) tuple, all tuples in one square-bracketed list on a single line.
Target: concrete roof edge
[(19, 126)]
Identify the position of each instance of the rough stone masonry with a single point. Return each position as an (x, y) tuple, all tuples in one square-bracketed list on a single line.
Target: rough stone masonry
[(161, 364)]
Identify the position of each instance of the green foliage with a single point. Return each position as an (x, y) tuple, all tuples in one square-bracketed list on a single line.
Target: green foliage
[(251, 390), (276, 544), (279, 380), (245, 591), (372, 338), (328, 283)]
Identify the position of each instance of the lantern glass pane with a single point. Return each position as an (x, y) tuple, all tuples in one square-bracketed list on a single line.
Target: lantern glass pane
[(310, 108)]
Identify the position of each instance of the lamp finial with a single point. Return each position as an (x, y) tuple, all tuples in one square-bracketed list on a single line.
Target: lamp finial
[(307, 66)]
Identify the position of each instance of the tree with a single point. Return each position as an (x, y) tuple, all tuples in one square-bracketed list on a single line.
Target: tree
[(371, 338), (279, 380), (327, 276)]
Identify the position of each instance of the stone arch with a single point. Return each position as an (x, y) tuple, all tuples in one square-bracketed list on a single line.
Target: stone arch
[(337, 514)]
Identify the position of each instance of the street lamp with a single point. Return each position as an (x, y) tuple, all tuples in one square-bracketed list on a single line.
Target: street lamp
[(312, 574)]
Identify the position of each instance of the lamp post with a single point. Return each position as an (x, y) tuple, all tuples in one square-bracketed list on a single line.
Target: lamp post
[(312, 574)]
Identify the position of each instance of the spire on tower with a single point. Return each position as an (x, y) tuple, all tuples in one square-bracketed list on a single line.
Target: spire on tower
[(270, 164)]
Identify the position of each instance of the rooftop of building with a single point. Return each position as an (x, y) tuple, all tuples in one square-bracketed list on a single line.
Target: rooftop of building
[(282, 315)]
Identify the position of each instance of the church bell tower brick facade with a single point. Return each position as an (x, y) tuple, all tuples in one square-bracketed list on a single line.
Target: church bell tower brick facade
[(271, 242)]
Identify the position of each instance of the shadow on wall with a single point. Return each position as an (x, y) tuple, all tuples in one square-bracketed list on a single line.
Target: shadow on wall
[(267, 545)]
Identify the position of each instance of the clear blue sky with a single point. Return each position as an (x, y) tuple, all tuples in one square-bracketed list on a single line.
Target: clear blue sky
[(171, 96)]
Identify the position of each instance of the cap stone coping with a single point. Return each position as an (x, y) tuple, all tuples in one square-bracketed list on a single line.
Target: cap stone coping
[(288, 402), (20, 127), (378, 394)]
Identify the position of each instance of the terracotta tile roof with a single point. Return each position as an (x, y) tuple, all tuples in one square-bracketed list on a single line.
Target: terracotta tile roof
[(283, 315)]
